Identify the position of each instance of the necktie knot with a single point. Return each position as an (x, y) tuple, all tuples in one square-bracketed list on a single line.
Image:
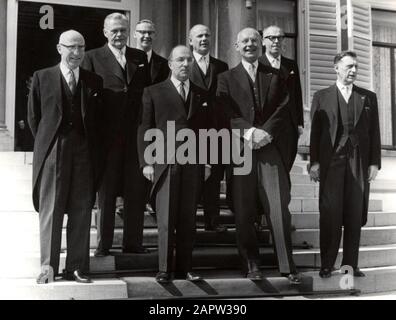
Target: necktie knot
[(121, 58), (346, 92), (276, 63)]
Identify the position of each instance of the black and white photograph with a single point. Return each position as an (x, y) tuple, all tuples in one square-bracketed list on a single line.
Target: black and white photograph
[(215, 151)]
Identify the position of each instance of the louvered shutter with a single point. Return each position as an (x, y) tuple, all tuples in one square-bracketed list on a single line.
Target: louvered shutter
[(360, 35), (323, 42)]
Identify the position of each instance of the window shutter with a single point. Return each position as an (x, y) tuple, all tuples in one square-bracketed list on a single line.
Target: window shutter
[(323, 42), (360, 35)]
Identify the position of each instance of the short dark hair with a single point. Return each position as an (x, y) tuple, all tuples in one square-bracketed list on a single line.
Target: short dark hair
[(343, 54)]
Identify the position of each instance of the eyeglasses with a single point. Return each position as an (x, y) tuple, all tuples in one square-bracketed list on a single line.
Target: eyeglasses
[(144, 32), (273, 38), (73, 48)]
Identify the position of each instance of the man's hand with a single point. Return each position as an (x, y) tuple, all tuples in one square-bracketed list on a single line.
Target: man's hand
[(300, 130), (208, 171), (148, 172), (372, 174), (260, 138), (314, 172)]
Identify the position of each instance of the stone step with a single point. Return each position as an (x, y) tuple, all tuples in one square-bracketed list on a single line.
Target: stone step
[(380, 279), (28, 265), (27, 289), (12, 158), (370, 236), (300, 204), (214, 285)]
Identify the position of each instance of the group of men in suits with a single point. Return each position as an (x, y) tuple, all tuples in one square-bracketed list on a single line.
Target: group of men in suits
[(90, 114)]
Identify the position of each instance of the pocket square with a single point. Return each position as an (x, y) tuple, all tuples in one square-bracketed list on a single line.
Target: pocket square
[(95, 94), (204, 104), (141, 65), (292, 72)]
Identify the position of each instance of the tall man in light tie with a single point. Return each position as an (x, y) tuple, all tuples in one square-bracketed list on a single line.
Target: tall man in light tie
[(205, 70), (125, 74), (256, 101), (345, 152), (64, 114)]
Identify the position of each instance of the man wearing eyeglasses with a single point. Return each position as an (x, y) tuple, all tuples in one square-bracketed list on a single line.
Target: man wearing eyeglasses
[(125, 74), (176, 185), (287, 142), (64, 114), (145, 34)]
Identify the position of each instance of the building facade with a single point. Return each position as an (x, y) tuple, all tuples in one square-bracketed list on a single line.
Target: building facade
[(315, 31)]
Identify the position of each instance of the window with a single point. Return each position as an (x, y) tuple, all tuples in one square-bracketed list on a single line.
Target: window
[(384, 73)]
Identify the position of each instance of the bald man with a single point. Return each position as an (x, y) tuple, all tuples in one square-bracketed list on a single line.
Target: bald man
[(64, 116), (256, 100)]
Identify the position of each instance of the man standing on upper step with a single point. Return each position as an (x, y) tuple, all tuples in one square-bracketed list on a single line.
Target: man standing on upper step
[(345, 157), (205, 70)]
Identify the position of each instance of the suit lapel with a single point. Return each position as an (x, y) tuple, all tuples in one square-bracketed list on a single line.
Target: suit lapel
[(176, 98), (130, 65), (196, 76), (358, 100), (333, 106), (110, 61), (242, 80), (212, 70), (155, 66), (265, 78), (194, 101), (55, 79), (84, 95)]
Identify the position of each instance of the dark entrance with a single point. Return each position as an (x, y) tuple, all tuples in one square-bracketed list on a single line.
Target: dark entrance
[(36, 49)]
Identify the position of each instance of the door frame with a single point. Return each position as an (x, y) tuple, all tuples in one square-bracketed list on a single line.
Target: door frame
[(131, 7)]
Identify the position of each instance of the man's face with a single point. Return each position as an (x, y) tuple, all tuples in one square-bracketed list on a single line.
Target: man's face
[(200, 39), (72, 49), (144, 34), (346, 70), (181, 63), (272, 40), (248, 45), (116, 31)]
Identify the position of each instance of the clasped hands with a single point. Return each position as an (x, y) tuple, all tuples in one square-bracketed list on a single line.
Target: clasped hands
[(260, 138)]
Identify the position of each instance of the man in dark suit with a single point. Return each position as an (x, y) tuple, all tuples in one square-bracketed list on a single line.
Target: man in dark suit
[(64, 116), (125, 74), (204, 73), (287, 143), (174, 105), (145, 34), (345, 157), (256, 100)]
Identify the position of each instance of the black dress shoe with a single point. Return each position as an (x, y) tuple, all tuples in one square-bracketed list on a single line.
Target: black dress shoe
[(139, 250), (358, 273), (191, 276), (255, 275), (45, 277), (294, 278), (325, 273), (163, 277), (102, 252), (77, 276)]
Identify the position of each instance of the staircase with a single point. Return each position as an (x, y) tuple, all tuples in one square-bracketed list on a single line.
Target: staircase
[(215, 255)]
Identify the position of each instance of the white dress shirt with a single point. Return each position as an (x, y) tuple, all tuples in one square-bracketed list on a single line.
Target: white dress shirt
[(177, 83), (119, 54)]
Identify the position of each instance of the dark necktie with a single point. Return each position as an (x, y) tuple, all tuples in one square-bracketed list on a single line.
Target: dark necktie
[(72, 82), (182, 91)]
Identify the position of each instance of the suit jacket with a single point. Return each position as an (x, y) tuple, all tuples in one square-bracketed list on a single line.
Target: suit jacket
[(325, 122), (45, 116), (216, 67), (159, 69), (235, 95), (291, 75), (162, 103), (122, 92)]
